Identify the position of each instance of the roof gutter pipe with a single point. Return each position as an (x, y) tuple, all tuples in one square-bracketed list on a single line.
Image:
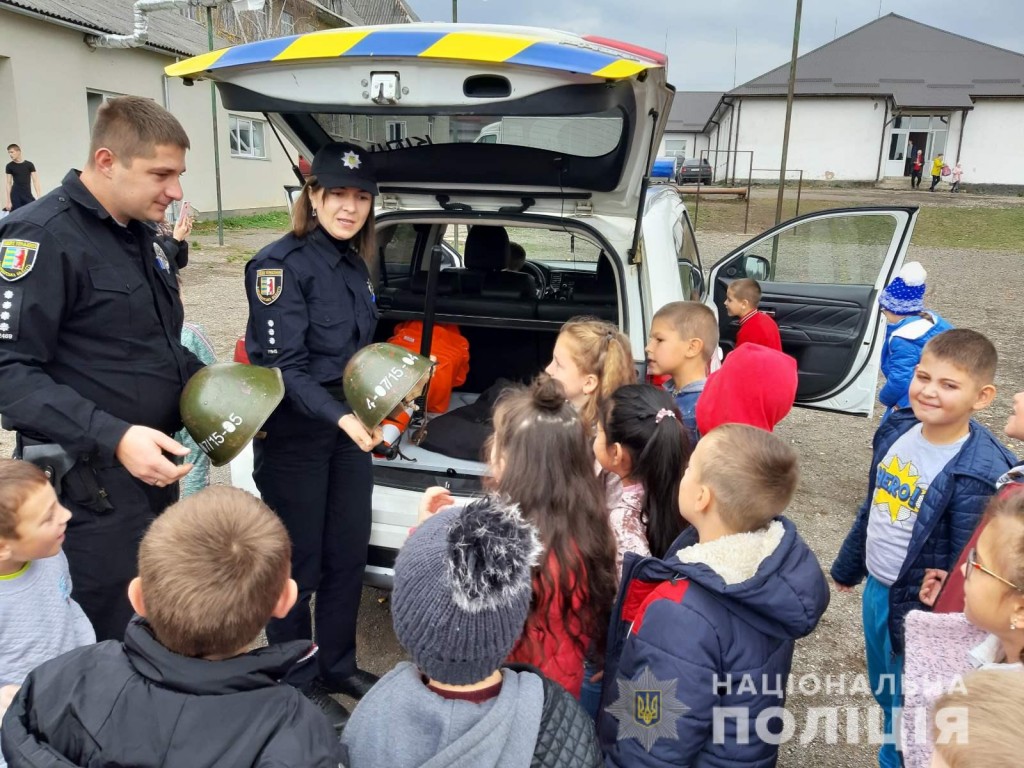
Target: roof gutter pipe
[(140, 30)]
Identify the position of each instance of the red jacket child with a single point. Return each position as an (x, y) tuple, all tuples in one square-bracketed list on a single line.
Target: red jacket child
[(756, 327)]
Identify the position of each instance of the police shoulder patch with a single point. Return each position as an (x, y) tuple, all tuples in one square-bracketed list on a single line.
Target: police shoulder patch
[(269, 284), (17, 257)]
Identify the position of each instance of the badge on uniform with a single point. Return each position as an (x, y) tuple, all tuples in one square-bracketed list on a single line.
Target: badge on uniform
[(17, 257), (10, 313), (373, 295), (269, 283), (161, 258)]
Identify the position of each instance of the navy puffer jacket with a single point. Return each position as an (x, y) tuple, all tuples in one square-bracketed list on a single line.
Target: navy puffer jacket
[(948, 516)]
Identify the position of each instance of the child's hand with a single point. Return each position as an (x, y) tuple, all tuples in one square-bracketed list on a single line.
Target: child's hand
[(7, 694), (842, 587), (434, 500), (934, 578)]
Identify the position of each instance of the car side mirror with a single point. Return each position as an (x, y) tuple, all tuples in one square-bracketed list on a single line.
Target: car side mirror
[(756, 267)]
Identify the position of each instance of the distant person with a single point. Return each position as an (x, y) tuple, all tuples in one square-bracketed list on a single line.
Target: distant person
[(516, 257), (183, 689), (909, 326), (756, 327), (22, 178), (958, 174), (916, 170), (937, 164)]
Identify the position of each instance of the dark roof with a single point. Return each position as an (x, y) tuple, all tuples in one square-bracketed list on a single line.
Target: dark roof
[(917, 65), (691, 111), (383, 11), (168, 30)]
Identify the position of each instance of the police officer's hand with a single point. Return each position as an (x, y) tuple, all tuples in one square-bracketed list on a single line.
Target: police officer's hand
[(354, 428), (141, 451)]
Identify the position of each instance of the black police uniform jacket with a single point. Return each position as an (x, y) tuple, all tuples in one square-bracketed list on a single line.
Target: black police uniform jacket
[(137, 703), (90, 326), (311, 307)]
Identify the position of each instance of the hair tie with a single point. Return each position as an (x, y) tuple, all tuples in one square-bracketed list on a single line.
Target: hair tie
[(662, 414)]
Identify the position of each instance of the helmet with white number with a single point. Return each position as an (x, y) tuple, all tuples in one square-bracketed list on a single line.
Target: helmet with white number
[(379, 377)]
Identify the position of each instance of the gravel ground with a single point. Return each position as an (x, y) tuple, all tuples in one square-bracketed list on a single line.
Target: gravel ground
[(834, 450)]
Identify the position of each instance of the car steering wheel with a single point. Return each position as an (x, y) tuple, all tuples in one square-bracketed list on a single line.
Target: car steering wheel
[(538, 276)]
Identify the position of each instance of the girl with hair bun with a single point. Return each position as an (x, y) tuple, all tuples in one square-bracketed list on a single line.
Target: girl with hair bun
[(641, 439), (540, 458)]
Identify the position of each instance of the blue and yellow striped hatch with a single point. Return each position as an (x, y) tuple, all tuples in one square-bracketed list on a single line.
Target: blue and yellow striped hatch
[(512, 46)]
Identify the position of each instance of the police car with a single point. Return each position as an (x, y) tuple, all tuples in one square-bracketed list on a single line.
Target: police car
[(482, 133)]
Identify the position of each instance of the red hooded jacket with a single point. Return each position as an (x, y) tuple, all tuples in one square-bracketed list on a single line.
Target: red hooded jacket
[(755, 386)]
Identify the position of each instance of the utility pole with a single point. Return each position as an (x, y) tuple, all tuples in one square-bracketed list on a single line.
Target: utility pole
[(789, 112), (216, 140), (455, 11)]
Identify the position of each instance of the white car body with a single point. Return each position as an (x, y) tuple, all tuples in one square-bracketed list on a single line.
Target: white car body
[(472, 78)]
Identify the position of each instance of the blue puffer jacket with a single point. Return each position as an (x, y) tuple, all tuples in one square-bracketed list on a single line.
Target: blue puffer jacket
[(947, 518), (904, 342), (707, 646)]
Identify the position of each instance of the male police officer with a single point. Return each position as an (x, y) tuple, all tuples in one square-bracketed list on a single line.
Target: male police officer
[(91, 364)]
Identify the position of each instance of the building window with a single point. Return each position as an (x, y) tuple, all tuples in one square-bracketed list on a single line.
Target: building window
[(675, 148), (287, 24), (189, 12), (247, 137), (396, 130), (94, 100)]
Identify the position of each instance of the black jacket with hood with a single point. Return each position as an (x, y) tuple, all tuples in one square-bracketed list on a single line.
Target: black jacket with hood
[(139, 704)]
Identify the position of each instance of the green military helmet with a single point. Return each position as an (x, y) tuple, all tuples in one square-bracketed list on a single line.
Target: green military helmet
[(225, 404), (381, 376)]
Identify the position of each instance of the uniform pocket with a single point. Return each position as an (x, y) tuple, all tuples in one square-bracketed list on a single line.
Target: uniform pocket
[(113, 296), (330, 326)]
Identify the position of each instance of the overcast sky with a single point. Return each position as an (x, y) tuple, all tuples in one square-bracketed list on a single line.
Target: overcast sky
[(700, 35)]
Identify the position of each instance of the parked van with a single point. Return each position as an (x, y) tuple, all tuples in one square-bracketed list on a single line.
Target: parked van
[(598, 240)]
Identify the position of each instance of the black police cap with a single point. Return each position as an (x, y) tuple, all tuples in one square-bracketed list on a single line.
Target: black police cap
[(340, 164)]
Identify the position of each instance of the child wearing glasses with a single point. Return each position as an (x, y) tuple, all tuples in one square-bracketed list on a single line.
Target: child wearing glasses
[(932, 473)]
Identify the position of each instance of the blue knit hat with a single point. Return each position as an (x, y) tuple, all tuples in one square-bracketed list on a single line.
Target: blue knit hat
[(463, 586), (905, 294)]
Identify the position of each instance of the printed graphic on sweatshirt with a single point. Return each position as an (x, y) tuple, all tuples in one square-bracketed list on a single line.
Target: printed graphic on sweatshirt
[(647, 708), (900, 488)]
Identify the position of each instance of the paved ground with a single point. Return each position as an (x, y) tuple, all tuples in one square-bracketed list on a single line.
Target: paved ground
[(977, 289)]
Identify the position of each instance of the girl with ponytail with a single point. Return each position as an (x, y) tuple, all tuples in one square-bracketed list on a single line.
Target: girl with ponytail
[(641, 439), (592, 358)]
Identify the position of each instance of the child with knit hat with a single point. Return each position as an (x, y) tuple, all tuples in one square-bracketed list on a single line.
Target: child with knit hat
[(909, 328), (463, 586)]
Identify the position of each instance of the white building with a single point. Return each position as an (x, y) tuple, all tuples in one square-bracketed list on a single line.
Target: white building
[(52, 81), (866, 102)]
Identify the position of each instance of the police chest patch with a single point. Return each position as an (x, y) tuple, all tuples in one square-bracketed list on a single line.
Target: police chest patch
[(17, 257), (269, 283)]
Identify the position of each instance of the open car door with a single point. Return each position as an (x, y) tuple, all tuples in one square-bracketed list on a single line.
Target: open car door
[(820, 276)]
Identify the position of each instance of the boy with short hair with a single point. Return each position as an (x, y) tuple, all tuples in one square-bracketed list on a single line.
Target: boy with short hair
[(38, 618), (756, 327), (710, 629), (463, 587), (932, 473), (684, 337), (182, 690)]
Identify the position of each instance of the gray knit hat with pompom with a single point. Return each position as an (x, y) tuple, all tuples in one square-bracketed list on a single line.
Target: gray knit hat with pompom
[(463, 589)]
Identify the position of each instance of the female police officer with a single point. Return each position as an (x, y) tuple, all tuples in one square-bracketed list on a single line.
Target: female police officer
[(311, 306)]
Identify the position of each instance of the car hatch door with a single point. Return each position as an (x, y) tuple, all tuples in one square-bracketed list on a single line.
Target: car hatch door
[(820, 276)]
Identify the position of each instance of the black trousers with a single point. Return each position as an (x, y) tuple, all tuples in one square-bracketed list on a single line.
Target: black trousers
[(321, 485), (915, 179), (103, 547)]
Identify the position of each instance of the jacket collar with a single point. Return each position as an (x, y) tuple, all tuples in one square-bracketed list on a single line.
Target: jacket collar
[(78, 192), (328, 246), (256, 669)]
